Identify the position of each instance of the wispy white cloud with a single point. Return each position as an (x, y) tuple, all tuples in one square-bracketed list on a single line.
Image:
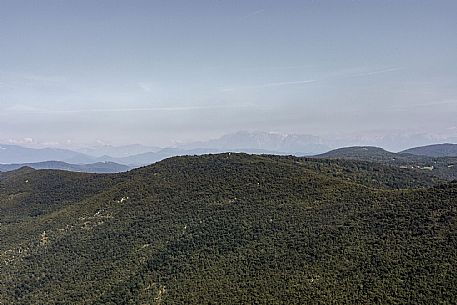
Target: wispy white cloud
[(269, 85), (357, 72), (335, 76), (27, 78), (254, 13), (382, 71), (146, 86), (44, 78), (426, 104), (20, 108), (259, 68), (33, 110)]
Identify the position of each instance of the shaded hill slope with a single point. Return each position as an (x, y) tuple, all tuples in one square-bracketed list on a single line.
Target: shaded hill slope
[(27, 193), (228, 228)]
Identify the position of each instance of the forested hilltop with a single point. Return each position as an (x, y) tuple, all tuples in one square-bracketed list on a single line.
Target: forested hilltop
[(229, 229)]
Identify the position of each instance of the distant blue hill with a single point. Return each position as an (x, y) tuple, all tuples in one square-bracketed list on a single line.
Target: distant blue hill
[(99, 167), (19, 154)]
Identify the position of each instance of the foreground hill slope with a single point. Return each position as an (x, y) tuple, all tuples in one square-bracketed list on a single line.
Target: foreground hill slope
[(220, 229)]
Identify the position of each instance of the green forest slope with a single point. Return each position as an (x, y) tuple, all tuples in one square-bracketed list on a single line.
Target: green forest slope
[(229, 229)]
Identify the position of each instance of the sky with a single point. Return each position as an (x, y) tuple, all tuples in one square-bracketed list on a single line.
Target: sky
[(162, 72)]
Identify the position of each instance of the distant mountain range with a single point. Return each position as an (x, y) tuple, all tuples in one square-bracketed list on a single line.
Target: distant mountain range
[(139, 155), (117, 151), (297, 144), (99, 167), (254, 142)]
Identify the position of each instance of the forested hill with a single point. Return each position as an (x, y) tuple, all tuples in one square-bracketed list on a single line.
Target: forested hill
[(359, 152), (435, 150), (229, 229), (441, 167)]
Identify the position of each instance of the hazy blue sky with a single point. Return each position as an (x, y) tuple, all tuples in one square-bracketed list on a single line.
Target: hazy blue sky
[(162, 71)]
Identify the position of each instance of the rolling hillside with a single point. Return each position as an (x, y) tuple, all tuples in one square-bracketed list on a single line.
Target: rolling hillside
[(228, 229)]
